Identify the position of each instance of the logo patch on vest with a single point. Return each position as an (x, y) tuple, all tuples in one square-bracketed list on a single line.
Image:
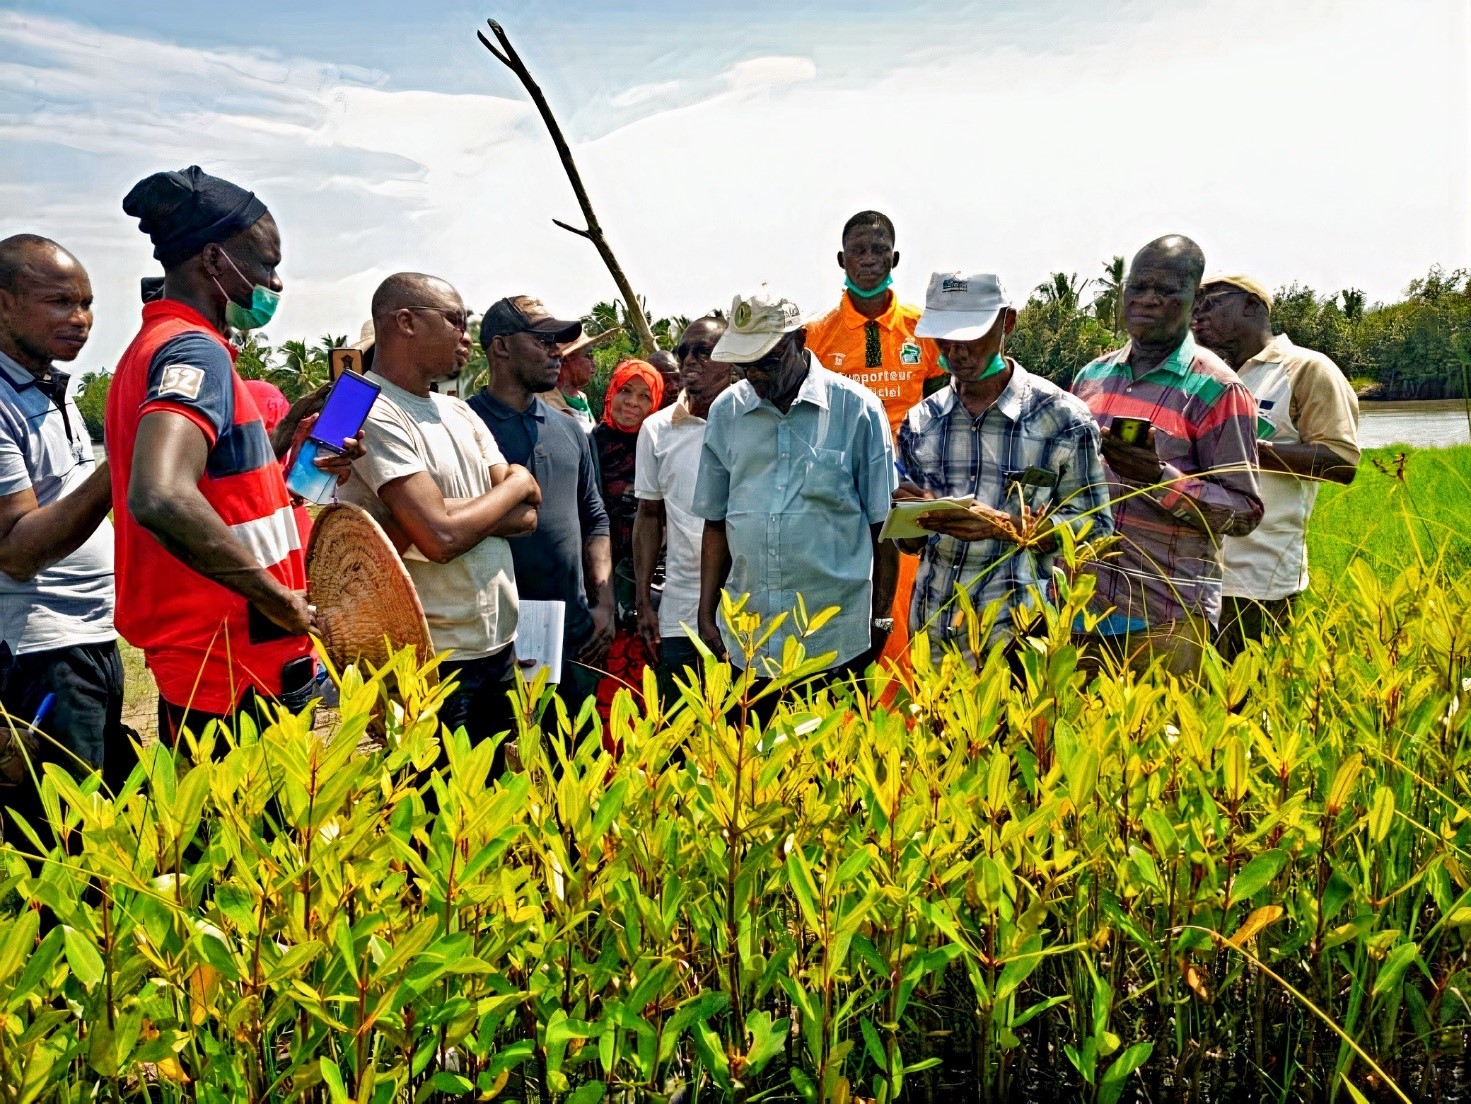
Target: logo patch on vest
[(909, 353), (181, 379)]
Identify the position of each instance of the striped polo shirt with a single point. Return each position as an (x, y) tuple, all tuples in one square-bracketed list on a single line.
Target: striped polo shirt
[(194, 632), (1168, 560)]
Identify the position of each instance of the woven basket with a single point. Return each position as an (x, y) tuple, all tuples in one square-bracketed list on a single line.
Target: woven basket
[(366, 602)]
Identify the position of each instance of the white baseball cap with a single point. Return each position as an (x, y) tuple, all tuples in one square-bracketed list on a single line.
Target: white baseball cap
[(961, 308), (757, 322)]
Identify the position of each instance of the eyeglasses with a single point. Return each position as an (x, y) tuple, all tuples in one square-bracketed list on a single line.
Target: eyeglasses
[(698, 352), (1209, 303), (457, 319)]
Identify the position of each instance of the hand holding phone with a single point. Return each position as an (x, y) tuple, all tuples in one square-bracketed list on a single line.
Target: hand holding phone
[(341, 419), (1131, 431)]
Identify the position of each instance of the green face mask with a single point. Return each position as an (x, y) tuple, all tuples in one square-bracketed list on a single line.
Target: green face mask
[(998, 364), (858, 291), (263, 303)]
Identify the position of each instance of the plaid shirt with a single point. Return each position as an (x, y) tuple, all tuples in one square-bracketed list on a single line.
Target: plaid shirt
[(945, 450), (1168, 562)]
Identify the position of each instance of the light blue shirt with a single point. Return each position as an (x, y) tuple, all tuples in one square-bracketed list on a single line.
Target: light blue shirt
[(44, 447), (798, 494)]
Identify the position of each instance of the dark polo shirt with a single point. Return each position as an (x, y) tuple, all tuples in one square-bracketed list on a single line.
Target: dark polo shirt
[(557, 451)]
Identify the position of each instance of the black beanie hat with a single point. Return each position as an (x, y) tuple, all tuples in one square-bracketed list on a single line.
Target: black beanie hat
[(185, 211)]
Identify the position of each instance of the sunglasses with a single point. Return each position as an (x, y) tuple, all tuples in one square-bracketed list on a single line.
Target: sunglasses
[(457, 319), (698, 352)]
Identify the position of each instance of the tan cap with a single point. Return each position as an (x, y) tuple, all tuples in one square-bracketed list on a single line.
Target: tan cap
[(757, 322), (587, 342), (1248, 284)]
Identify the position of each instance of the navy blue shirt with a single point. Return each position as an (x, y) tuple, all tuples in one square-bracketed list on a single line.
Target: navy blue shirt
[(557, 451)]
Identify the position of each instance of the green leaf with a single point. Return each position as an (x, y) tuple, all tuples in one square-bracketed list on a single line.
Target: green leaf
[(1395, 965), (799, 876), (608, 806), (590, 1093), (333, 1077), (20, 940), (82, 957), (1381, 815), (871, 1043), (1257, 874), (1161, 832), (1111, 1085), (1082, 775), (447, 1082)]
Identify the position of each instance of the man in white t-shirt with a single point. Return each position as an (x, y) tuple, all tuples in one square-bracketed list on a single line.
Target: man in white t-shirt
[(1307, 432), (666, 468), (434, 478)]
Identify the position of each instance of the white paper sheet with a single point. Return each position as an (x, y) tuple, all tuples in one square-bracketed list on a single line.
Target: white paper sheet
[(539, 639), (900, 522)]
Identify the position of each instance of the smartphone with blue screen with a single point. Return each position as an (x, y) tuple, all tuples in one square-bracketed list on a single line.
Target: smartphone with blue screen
[(343, 415)]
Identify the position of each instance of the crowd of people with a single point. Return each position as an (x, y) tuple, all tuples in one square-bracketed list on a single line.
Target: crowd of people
[(758, 458)]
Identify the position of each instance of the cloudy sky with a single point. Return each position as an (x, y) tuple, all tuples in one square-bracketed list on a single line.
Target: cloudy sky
[(725, 144)]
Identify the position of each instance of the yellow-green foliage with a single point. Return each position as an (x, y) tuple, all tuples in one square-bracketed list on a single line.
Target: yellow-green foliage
[(1256, 889)]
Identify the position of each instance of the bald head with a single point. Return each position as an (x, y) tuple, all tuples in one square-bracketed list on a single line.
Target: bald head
[(405, 290), (1159, 292), (1176, 251), (45, 302), (420, 331)]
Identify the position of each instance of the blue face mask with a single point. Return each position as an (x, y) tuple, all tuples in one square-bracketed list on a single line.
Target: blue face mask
[(998, 364), (263, 303), (858, 291)]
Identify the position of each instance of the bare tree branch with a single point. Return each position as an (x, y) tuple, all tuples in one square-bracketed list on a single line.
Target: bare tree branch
[(571, 229), (594, 233)]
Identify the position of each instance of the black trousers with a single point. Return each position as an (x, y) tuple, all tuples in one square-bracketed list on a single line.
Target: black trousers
[(482, 703), (79, 693), (1247, 619)]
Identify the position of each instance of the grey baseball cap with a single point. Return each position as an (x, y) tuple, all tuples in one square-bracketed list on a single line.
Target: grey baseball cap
[(961, 308)]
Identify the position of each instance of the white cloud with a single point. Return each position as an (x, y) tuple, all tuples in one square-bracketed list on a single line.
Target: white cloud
[(644, 93), (769, 73), (1327, 144)]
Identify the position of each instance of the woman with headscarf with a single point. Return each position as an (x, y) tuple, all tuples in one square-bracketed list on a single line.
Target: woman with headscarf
[(634, 392)]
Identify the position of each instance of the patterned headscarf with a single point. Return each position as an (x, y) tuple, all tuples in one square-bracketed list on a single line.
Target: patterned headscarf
[(628, 370)]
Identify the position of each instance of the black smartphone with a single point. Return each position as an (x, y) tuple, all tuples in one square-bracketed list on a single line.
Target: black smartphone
[(298, 673), (1131, 431), (348, 403)]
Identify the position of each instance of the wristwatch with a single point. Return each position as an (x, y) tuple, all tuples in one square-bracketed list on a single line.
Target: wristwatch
[(884, 624)]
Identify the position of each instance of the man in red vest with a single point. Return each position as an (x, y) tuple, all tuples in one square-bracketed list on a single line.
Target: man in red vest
[(211, 575)]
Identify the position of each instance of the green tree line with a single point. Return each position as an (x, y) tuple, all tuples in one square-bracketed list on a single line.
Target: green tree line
[(1417, 348)]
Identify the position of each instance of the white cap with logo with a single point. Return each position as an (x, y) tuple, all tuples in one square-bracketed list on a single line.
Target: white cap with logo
[(961, 308), (757, 322)]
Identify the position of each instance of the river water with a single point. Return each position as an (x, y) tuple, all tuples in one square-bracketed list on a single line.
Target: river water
[(1425, 424)]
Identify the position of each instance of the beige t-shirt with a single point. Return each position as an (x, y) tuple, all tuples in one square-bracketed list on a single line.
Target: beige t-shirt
[(470, 602), (1301, 396)]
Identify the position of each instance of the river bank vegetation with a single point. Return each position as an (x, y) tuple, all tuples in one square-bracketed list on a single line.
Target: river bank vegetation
[(1416, 348)]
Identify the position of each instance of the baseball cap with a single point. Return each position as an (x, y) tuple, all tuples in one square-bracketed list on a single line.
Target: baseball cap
[(757, 322), (1248, 284), (961, 308), (523, 314)]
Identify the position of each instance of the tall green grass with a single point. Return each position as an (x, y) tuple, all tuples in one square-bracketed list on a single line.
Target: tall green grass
[(1396, 513)]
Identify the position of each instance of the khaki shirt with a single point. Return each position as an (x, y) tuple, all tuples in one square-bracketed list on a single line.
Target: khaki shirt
[(1302, 398)]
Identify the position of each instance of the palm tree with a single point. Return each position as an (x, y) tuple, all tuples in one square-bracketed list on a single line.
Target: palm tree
[(1108, 308), (1062, 292)]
